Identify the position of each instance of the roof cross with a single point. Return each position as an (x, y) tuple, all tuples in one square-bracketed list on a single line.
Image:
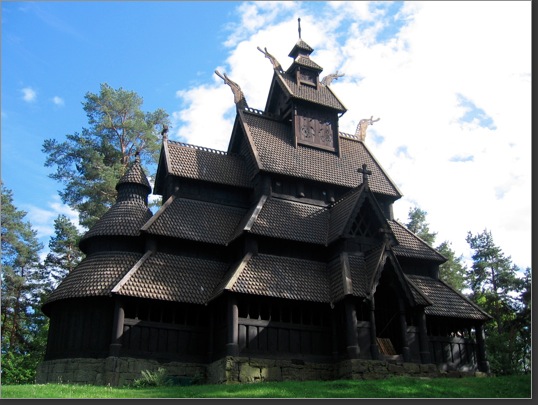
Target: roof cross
[(365, 173)]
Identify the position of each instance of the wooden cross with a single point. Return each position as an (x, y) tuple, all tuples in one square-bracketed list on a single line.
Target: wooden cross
[(365, 174)]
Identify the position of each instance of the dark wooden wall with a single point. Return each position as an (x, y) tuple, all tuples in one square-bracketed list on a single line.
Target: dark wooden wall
[(80, 328), (162, 330)]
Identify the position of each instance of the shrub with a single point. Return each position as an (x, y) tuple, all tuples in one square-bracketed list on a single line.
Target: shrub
[(156, 378)]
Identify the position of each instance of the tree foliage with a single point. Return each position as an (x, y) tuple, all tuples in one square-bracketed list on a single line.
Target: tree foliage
[(90, 163), (64, 253), (24, 282), (499, 290), (452, 271), (418, 225)]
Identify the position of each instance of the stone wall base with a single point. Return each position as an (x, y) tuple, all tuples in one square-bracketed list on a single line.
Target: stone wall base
[(113, 371), (119, 371)]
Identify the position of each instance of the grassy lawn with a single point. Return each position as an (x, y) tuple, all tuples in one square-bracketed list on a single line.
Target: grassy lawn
[(397, 387)]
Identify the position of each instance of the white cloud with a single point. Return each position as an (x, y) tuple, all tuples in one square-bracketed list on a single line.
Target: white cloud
[(42, 220), (58, 101), (28, 94), (440, 54)]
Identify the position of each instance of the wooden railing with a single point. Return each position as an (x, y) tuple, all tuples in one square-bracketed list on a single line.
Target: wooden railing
[(279, 337), (159, 339), (453, 350)]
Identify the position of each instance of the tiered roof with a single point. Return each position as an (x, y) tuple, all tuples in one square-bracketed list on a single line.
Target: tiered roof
[(261, 143)]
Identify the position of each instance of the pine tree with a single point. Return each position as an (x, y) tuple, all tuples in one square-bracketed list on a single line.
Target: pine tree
[(497, 288), (64, 253), (418, 225), (90, 163), (452, 271), (23, 284)]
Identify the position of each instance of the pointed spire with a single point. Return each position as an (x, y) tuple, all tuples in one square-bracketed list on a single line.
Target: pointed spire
[(299, 24), (135, 175)]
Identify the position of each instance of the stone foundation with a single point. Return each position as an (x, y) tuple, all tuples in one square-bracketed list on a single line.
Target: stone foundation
[(114, 371), (119, 371)]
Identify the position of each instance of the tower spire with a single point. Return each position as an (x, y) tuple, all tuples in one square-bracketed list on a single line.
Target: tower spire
[(299, 24)]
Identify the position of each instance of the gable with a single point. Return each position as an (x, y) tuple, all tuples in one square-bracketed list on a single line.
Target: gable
[(273, 144)]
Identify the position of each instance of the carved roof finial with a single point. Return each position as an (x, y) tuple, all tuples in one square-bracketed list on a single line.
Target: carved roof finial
[(299, 24), (276, 65), (327, 80), (363, 124), (239, 97), (164, 132), (137, 156)]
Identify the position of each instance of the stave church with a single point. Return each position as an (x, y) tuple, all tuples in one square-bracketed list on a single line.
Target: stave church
[(277, 259)]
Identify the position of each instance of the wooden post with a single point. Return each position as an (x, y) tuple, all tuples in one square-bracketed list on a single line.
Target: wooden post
[(117, 329), (232, 343), (374, 351), (425, 356), (211, 329), (483, 363), (352, 338), (334, 323), (406, 354)]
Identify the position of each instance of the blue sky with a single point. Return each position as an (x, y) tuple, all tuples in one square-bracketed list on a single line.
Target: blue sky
[(451, 82)]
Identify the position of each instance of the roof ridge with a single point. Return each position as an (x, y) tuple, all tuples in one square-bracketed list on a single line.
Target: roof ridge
[(133, 270), (203, 148), (418, 237), (349, 136), (464, 297), (417, 289)]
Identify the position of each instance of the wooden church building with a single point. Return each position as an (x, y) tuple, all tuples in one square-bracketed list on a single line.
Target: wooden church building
[(280, 252)]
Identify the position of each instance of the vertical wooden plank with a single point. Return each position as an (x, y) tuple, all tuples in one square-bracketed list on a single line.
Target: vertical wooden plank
[(242, 337), (163, 338), (295, 341), (317, 343), (262, 338), (172, 341), (183, 342), (283, 340), (306, 342), (272, 343), (144, 339), (252, 337)]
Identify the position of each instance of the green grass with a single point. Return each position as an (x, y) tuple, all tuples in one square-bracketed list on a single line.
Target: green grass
[(397, 387)]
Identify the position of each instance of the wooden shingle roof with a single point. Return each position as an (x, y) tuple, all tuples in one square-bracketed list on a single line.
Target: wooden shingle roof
[(411, 245), (95, 276), (135, 174), (281, 277), (323, 95), (195, 220), (125, 218), (206, 164), (273, 143), (291, 220), (174, 278), (446, 301)]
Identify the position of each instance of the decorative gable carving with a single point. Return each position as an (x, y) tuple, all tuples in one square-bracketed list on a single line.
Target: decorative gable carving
[(316, 127)]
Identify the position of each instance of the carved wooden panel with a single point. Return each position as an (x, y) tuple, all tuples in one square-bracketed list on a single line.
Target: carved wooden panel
[(316, 128)]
